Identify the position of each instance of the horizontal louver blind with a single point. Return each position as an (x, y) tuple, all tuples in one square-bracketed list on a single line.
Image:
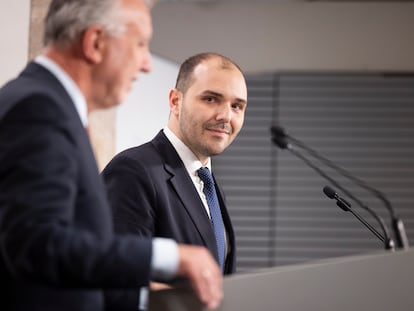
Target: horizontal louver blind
[(364, 123)]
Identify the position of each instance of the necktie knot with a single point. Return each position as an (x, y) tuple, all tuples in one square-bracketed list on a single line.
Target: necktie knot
[(205, 176)]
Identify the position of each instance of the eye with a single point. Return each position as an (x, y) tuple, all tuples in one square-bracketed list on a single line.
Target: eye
[(210, 99), (142, 43), (238, 106)]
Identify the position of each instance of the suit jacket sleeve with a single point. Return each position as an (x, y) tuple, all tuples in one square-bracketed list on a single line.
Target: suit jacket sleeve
[(55, 220)]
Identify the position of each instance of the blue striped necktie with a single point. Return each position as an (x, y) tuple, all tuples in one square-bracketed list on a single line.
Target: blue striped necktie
[(215, 212)]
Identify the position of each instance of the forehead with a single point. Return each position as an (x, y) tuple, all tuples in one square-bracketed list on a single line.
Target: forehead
[(211, 74), (137, 17)]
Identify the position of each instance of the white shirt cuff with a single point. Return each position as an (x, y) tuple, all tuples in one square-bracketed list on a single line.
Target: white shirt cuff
[(164, 261)]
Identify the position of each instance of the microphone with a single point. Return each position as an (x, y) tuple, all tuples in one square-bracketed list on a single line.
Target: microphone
[(281, 138), (344, 205)]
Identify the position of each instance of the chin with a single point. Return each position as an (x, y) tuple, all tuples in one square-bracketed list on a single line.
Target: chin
[(120, 100), (217, 151), (112, 104)]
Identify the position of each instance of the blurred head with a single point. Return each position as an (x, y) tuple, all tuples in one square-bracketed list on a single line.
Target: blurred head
[(208, 104), (110, 37)]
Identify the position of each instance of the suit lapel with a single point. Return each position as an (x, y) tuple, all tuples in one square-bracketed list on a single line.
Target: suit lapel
[(186, 191)]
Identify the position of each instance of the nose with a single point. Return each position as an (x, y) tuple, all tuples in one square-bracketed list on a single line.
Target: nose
[(224, 112), (146, 64)]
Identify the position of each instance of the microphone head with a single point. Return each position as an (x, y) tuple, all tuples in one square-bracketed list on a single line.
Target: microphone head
[(278, 131), (329, 192), (281, 142), (279, 137)]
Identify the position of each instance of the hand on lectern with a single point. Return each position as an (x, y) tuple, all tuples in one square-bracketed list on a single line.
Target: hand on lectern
[(203, 272)]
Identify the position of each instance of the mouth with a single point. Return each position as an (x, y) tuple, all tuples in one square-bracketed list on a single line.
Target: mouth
[(219, 131), (132, 83), (134, 80)]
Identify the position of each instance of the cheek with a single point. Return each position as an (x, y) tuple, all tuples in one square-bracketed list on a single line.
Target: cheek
[(237, 123), (123, 58)]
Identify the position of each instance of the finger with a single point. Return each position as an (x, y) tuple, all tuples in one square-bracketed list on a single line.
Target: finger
[(204, 274), (210, 287), (159, 286), (213, 288)]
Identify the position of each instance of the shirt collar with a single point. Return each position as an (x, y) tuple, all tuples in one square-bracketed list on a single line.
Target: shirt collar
[(68, 84), (191, 163)]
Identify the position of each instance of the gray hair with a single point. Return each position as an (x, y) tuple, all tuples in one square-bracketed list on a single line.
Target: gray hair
[(67, 20)]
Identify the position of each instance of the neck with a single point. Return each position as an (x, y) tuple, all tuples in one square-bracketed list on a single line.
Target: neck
[(74, 66)]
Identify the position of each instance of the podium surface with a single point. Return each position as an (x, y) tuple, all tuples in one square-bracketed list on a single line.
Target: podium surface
[(379, 281)]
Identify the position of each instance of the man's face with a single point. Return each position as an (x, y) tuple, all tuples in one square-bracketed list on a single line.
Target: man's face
[(125, 56), (211, 113)]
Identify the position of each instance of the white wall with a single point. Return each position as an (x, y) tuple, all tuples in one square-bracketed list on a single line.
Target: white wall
[(146, 109), (14, 37)]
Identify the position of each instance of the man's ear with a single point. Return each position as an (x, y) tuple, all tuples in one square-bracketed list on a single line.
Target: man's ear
[(94, 42), (175, 97)]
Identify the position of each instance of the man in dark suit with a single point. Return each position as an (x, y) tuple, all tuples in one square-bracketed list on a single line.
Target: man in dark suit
[(57, 245), (154, 188)]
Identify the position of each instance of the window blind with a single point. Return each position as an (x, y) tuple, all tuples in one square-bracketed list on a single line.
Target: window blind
[(363, 122)]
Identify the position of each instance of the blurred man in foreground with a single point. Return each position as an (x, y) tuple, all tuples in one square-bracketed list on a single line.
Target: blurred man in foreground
[(57, 245)]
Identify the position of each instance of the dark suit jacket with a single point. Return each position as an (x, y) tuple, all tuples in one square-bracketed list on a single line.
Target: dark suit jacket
[(152, 194), (57, 246)]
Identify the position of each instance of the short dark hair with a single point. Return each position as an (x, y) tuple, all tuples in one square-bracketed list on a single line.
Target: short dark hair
[(185, 75)]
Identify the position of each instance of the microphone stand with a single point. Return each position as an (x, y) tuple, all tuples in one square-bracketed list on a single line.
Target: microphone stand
[(388, 242), (396, 222), (344, 205)]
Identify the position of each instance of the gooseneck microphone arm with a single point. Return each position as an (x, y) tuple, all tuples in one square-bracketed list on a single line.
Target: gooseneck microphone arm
[(344, 205), (388, 243), (279, 134)]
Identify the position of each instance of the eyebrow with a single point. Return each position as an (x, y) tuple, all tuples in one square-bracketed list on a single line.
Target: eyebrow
[(209, 92)]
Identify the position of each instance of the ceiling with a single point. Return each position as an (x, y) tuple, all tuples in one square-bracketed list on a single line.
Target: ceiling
[(265, 35)]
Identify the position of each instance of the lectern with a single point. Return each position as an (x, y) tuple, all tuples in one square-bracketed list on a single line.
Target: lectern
[(381, 281)]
